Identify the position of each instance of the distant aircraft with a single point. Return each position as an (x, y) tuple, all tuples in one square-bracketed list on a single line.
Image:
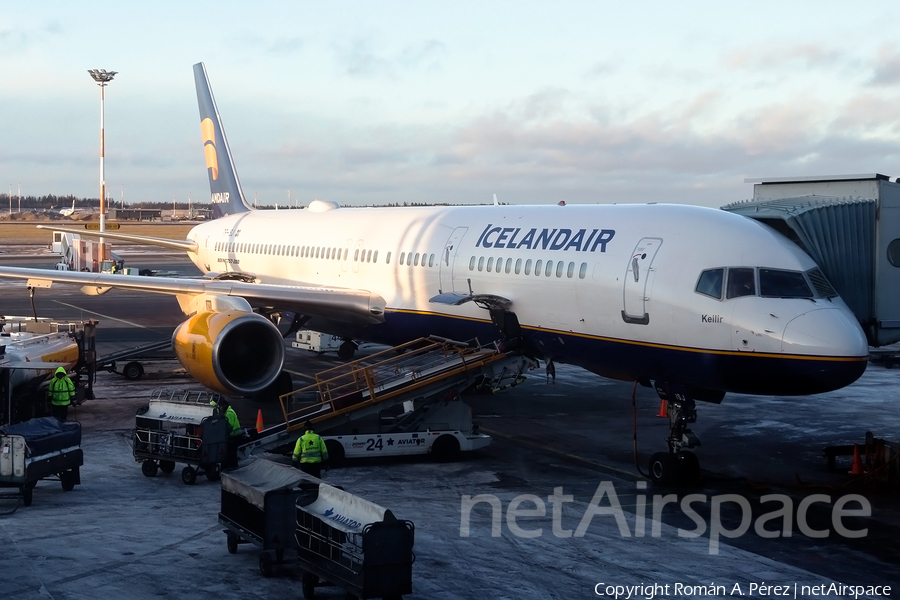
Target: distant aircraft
[(68, 212), (695, 301)]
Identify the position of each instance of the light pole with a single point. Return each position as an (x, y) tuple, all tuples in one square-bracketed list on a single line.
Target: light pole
[(102, 77)]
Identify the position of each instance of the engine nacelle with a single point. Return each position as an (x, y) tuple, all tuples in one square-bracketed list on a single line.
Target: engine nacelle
[(233, 352)]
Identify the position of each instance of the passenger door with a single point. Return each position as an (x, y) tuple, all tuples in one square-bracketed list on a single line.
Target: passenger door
[(448, 259), (638, 277)]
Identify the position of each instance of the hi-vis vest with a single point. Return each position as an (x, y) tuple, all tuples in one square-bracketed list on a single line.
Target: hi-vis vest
[(310, 449), (61, 389)]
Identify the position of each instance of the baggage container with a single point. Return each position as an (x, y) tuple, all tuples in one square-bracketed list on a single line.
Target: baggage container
[(38, 449)]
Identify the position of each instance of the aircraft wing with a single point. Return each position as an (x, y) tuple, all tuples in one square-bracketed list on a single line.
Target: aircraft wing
[(186, 245), (347, 305)]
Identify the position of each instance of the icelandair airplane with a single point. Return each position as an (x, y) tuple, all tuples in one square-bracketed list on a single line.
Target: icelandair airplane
[(698, 301)]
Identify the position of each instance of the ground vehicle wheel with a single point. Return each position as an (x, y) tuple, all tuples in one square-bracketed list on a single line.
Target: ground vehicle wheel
[(347, 350), (133, 370), (266, 566), (688, 467), (663, 468), (212, 472), (27, 494), (189, 475), (335, 451), (231, 540), (166, 466), (67, 479), (445, 447), (309, 585), (149, 468)]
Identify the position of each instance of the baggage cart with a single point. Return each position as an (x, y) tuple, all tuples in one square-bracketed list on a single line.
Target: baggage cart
[(258, 507), (181, 430), (38, 449), (354, 544)]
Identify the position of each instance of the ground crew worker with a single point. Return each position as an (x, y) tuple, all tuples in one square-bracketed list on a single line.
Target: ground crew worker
[(235, 433), (310, 452), (61, 392)]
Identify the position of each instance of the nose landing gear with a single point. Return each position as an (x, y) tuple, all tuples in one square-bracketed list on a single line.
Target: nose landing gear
[(679, 464)]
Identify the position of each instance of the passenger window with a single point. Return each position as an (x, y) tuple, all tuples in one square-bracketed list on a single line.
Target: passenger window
[(537, 267), (375, 257), (528, 267), (356, 255), (490, 264), (570, 272), (548, 269), (369, 256), (710, 283), (582, 272), (560, 266), (774, 283), (518, 266), (508, 265), (416, 261), (431, 260), (480, 263), (472, 264), (387, 258), (346, 253), (402, 256), (741, 283)]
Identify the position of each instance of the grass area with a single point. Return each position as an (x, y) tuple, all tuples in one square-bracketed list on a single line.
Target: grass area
[(27, 233)]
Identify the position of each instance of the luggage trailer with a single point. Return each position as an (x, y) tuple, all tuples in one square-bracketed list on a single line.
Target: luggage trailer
[(181, 429), (40, 448)]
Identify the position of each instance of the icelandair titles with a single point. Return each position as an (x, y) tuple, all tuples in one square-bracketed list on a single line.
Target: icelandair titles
[(581, 240), (219, 197)]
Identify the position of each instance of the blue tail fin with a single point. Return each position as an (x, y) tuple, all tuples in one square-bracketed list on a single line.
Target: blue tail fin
[(226, 196)]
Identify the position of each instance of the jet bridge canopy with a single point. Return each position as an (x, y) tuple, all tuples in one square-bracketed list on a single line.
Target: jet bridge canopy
[(848, 224)]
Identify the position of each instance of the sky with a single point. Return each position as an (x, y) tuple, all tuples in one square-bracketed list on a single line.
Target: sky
[(369, 103)]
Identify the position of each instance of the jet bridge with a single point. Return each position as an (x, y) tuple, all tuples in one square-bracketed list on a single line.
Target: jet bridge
[(430, 369), (848, 224)]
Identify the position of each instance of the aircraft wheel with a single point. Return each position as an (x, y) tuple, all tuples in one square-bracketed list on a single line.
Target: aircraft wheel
[(663, 468), (149, 468), (189, 475), (688, 467), (166, 466)]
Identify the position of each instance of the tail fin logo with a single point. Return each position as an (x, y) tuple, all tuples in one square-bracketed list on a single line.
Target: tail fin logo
[(207, 128)]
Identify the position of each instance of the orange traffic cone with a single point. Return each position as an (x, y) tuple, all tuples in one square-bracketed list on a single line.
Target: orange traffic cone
[(857, 468), (663, 409), (259, 422)]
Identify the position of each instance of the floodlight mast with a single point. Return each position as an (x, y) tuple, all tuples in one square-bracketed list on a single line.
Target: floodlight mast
[(102, 77)]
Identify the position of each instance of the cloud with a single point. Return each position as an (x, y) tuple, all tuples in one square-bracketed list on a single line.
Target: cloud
[(285, 45), (768, 56), (358, 60), (886, 67)]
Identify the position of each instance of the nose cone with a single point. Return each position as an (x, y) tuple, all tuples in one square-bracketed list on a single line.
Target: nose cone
[(825, 332), (829, 346)]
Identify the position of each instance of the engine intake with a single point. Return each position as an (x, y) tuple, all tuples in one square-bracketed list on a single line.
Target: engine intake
[(233, 352)]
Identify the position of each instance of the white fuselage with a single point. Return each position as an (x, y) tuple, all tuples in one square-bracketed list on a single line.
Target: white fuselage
[(623, 275)]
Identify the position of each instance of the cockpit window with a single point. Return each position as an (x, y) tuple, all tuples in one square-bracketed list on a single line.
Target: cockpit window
[(710, 283), (774, 283), (741, 282), (820, 283)]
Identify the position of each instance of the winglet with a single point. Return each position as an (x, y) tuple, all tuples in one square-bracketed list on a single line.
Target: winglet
[(226, 196)]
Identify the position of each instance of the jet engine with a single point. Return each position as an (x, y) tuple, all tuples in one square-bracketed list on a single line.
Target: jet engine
[(233, 352)]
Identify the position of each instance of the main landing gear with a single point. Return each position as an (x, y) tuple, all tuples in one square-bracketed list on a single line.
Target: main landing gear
[(679, 464)]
